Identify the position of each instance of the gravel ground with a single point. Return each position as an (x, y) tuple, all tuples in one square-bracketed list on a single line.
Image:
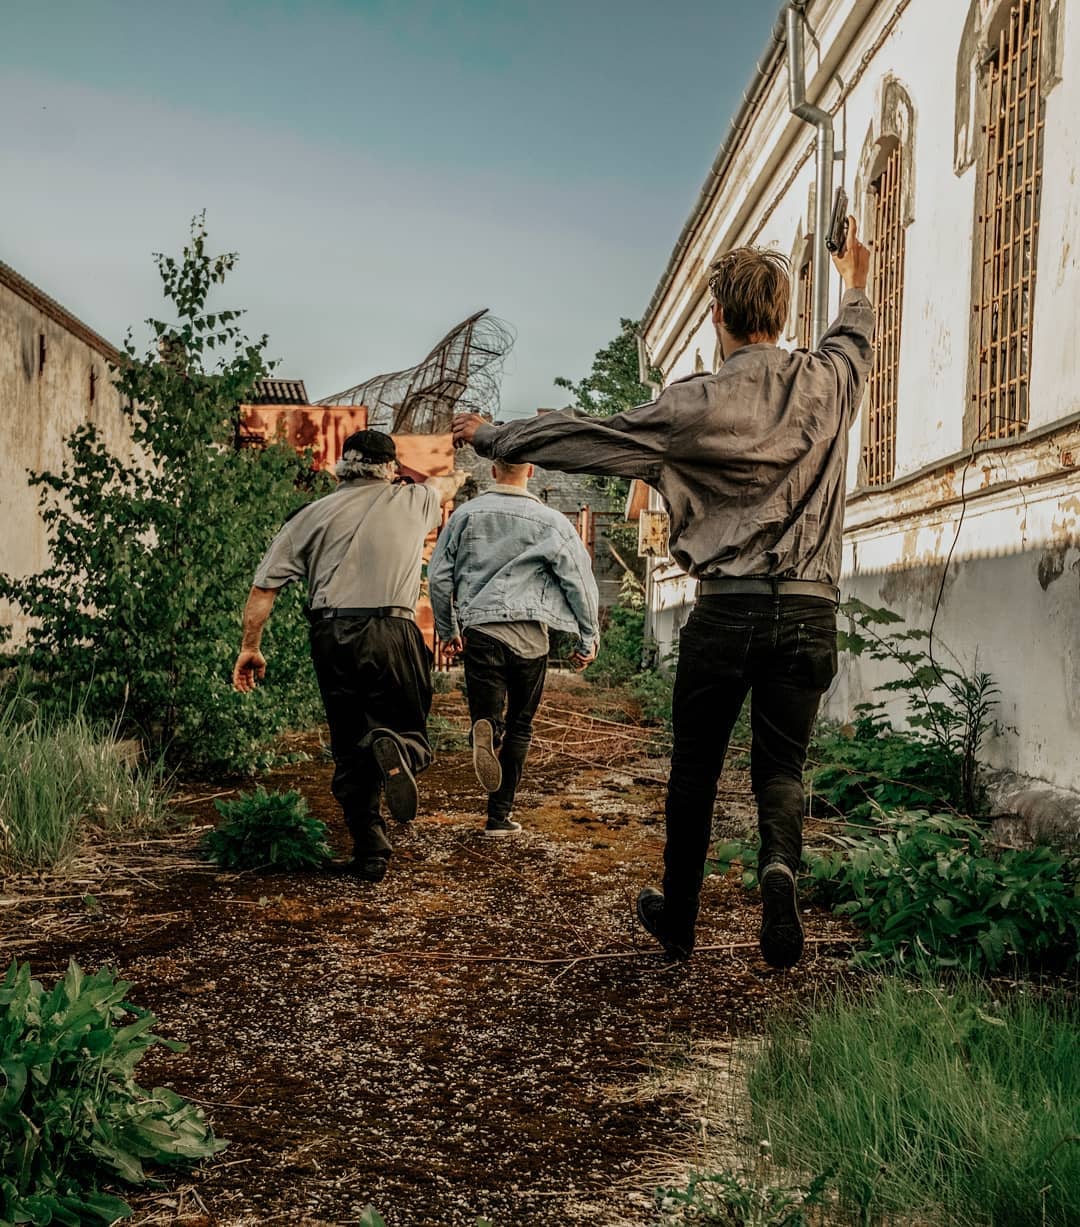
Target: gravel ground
[(475, 1036)]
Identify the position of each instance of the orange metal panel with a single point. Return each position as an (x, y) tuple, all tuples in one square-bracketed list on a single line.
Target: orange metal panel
[(322, 428)]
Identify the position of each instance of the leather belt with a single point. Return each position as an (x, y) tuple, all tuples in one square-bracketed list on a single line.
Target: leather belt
[(768, 587), (324, 613)]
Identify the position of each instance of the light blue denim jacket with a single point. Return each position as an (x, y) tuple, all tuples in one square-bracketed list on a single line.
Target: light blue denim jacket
[(507, 557)]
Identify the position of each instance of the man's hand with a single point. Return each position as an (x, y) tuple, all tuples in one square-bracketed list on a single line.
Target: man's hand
[(448, 484), (853, 264), (580, 661), (464, 427), (453, 647), (249, 670)]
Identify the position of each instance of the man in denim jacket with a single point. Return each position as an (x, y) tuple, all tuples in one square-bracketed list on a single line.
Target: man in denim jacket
[(505, 569)]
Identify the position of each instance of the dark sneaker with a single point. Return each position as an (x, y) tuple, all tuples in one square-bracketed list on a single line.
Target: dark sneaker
[(485, 762), (650, 911), (398, 783), (781, 926), (367, 868), (502, 826)]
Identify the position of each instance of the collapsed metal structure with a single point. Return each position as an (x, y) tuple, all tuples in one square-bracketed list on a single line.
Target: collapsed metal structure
[(463, 373)]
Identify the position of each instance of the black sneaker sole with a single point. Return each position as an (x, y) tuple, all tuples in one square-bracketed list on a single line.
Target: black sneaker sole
[(672, 949), (485, 761), (398, 783), (514, 829), (782, 936)]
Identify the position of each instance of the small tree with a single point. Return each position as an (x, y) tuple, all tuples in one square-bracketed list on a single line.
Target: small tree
[(137, 615), (612, 386)]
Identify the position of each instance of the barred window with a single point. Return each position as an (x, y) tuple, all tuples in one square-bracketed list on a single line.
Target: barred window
[(1008, 226), (887, 292)]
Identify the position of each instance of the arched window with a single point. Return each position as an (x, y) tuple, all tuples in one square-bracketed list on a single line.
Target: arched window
[(885, 202), (804, 298), (1007, 222)]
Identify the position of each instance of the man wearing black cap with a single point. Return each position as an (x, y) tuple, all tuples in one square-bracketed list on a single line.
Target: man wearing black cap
[(359, 550)]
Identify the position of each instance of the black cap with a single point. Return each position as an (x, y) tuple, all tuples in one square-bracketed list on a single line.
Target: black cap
[(370, 445)]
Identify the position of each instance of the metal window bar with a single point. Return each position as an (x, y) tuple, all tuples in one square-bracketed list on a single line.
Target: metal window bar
[(805, 319), (887, 288), (1009, 226)]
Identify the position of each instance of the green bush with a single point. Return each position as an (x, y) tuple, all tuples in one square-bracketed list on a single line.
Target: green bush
[(152, 555), (930, 1105), (621, 645), (72, 1117), (59, 776), (266, 830)]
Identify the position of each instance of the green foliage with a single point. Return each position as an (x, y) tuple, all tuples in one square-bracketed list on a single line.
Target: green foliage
[(878, 768), (931, 1105), (742, 1198), (60, 775), (152, 554), (613, 386), (446, 736), (621, 645), (946, 706), (267, 830), (72, 1117), (932, 886)]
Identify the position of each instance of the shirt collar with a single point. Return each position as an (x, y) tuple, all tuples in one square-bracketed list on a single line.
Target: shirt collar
[(513, 491)]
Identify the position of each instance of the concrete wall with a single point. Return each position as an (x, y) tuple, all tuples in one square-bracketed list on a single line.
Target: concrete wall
[(39, 408), (1012, 598)]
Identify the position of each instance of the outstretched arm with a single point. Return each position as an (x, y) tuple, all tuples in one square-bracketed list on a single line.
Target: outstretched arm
[(849, 343), (630, 444), (250, 667)]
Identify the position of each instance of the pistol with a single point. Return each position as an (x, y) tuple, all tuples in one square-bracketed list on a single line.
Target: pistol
[(836, 238)]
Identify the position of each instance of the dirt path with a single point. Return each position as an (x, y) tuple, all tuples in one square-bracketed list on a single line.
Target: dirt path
[(429, 1045)]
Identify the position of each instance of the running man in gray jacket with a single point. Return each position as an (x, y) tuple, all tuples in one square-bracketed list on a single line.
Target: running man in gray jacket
[(505, 569), (751, 465)]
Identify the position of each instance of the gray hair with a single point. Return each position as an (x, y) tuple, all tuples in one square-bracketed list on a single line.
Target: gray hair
[(352, 466)]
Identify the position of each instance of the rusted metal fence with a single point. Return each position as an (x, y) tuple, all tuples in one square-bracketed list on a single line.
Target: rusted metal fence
[(1009, 225), (887, 289), (805, 305)]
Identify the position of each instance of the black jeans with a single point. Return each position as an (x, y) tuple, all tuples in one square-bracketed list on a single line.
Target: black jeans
[(782, 650), (506, 689), (374, 674)]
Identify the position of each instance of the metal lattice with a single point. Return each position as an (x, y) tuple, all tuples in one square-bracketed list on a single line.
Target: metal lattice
[(879, 449), (805, 300), (1009, 225), (462, 374)]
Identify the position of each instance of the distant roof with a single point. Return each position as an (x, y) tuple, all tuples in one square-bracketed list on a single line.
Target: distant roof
[(279, 392), (29, 292)]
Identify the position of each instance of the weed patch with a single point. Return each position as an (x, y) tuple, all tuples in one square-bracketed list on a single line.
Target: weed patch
[(72, 1117), (266, 830)]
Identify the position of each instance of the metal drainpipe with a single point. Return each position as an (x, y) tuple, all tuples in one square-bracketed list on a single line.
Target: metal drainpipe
[(822, 121)]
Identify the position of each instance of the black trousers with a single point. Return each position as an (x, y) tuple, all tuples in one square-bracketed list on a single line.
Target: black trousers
[(374, 674), (506, 689), (782, 650)]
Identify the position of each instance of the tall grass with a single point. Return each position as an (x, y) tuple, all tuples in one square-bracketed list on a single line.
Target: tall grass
[(59, 776), (934, 1104)]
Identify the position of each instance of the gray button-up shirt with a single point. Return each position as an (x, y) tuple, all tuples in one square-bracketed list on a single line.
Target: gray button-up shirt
[(751, 462)]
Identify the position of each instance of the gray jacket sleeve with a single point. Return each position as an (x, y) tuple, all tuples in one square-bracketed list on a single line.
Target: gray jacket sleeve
[(441, 581), (630, 444), (573, 570), (849, 347)]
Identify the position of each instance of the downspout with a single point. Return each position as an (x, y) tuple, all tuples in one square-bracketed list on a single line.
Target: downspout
[(822, 121)]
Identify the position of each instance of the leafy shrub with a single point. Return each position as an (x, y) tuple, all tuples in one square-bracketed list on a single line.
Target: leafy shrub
[(72, 1117), (621, 645), (931, 1105), (738, 1197), (878, 768), (152, 554), (267, 830), (60, 775), (931, 885)]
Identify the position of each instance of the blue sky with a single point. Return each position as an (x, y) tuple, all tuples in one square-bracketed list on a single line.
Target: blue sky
[(383, 169)]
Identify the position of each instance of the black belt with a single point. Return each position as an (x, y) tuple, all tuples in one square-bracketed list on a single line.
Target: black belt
[(768, 587), (324, 613)]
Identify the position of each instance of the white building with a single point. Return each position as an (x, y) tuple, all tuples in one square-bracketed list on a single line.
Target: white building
[(957, 131), (54, 376)]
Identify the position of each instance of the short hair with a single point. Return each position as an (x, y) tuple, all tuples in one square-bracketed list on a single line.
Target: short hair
[(503, 468), (753, 288)]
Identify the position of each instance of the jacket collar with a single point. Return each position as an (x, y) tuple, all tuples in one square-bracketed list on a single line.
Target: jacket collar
[(513, 491)]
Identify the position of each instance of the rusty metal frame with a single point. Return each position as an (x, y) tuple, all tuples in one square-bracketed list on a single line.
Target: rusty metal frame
[(1008, 226), (804, 299), (887, 292)]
